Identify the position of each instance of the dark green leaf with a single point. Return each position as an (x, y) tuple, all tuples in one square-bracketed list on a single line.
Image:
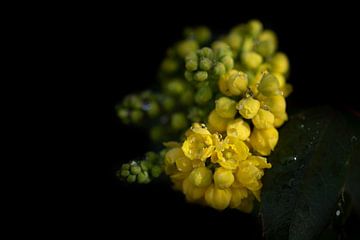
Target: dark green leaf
[(309, 169)]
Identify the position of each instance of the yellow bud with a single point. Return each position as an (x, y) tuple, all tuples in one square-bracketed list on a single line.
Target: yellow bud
[(170, 159), (281, 79), (217, 123), (264, 141), (248, 107), (191, 191), (280, 63), (269, 85), (218, 198), (263, 119), (287, 89), (237, 82), (238, 194), (225, 107), (201, 177), (276, 104), (252, 60), (238, 128), (223, 178), (280, 119), (184, 164)]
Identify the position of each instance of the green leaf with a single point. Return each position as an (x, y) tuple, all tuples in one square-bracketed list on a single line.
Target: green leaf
[(308, 175)]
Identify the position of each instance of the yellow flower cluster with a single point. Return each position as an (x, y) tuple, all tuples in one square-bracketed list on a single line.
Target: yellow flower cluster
[(215, 171)]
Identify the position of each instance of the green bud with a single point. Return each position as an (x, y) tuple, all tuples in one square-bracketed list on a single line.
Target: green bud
[(187, 98), (125, 166), (153, 109), (191, 65), (206, 52), (265, 48), (175, 87), (156, 171), (185, 47), (135, 169), (124, 173), (234, 40), (188, 75), (228, 61), (196, 114), (205, 64), (142, 177), (136, 116), (156, 133), (169, 65), (168, 104), (203, 95), (145, 165), (269, 86), (135, 102), (131, 178), (219, 69), (151, 156), (201, 34), (122, 113), (254, 27), (200, 76), (178, 121)]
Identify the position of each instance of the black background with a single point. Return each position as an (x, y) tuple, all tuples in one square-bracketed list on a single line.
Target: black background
[(126, 45)]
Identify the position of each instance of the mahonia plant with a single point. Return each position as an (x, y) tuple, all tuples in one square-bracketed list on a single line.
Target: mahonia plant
[(222, 101)]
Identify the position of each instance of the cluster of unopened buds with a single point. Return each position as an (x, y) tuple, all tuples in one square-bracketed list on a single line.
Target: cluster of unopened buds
[(222, 103)]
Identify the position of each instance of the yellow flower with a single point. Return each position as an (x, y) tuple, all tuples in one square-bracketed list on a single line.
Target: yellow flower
[(201, 177), (238, 128), (217, 123), (238, 194), (280, 63), (250, 172), (233, 83), (230, 152), (223, 178), (217, 198), (198, 144), (263, 119), (225, 107), (248, 107), (191, 191), (264, 141), (246, 204), (177, 179)]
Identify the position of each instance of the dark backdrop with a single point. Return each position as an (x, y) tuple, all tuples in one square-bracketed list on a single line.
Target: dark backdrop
[(127, 45)]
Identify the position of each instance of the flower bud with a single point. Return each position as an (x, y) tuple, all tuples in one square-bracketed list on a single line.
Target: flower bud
[(280, 78), (276, 104), (252, 60), (269, 86), (219, 69), (169, 65), (178, 121), (217, 123), (225, 107), (248, 107), (135, 169), (201, 177), (280, 63), (156, 171), (175, 87), (131, 178), (267, 43), (228, 62), (263, 119), (238, 128), (191, 191), (153, 109), (237, 82), (264, 141), (223, 178), (238, 194), (136, 116), (203, 95), (205, 64), (185, 47), (254, 27), (218, 198), (280, 119), (200, 76)]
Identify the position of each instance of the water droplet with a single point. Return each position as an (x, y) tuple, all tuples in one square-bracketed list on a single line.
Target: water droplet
[(337, 212), (353, 139), (295, 158)]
